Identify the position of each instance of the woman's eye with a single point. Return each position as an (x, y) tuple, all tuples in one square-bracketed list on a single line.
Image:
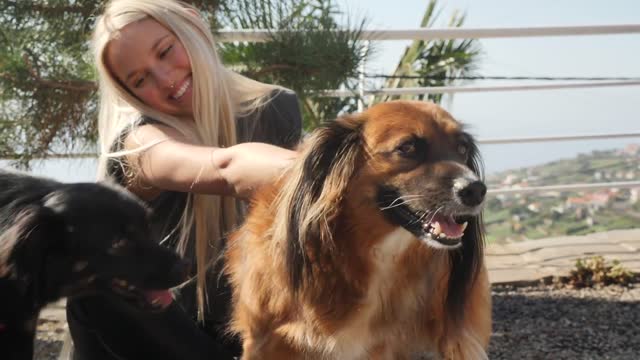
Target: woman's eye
[(138, 83), (166, 51)]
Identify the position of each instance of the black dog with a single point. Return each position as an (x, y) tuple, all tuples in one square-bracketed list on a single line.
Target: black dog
[(59, 240)]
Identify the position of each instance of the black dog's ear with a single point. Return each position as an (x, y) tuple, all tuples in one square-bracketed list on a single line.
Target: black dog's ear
[(33, 232), (53, 206), (310, 200)]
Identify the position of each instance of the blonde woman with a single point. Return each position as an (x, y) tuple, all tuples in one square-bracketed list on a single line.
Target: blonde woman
[(191, 138)]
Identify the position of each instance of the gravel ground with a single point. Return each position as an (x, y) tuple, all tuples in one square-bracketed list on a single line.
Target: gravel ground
[(50, 337), (530, 322), (543, 322)]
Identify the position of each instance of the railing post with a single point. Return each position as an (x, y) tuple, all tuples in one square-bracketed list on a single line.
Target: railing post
[(361, 77)]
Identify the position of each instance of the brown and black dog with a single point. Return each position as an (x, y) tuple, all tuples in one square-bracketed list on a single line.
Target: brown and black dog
[(59, 240), (369, 247)]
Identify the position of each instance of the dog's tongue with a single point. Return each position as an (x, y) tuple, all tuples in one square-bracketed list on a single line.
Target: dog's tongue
[(160, 298), (448, 226)]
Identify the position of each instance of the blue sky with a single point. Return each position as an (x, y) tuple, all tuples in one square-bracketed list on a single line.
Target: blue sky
[(514, 114)]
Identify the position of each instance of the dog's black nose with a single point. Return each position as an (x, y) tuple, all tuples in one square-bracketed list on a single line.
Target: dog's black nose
[(473, 194)]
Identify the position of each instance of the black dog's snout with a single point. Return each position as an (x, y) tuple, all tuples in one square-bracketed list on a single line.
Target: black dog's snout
[(473, 194)]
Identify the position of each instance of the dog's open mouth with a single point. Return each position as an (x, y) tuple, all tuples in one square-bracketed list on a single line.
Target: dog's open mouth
[(156, 300), (447, 230), (441, 230)]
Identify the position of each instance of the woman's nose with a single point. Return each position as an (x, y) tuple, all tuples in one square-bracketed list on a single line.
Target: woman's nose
[(166, 82), (165, 77)]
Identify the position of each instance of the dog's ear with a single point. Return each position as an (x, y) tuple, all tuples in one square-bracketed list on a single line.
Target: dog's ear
[(310, 199), (33, 232), (474, 160), (467, 262)]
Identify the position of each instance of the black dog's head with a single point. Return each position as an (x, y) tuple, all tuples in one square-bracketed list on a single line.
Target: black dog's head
[(85, 238)]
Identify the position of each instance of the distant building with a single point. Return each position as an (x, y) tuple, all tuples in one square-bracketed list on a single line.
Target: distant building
[(534, 207), (589, 220), (558, 209), (634, 195), (631, 149), (630, 175), (510, 180), (550, 195), (592, 201)]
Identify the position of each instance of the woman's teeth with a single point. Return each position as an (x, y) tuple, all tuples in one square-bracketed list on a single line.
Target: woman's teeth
[(182, 90)]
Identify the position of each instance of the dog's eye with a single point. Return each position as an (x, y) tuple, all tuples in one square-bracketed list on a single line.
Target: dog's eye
[(411, 148), (463, 149), (407, 148)]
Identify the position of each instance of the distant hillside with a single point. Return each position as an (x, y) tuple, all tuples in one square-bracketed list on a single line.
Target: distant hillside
[(532, 216)]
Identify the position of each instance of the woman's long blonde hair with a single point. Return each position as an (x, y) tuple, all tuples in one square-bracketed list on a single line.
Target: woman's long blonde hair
[(219, 96)]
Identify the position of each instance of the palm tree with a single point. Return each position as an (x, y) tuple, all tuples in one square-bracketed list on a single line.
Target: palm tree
[(433, 62)]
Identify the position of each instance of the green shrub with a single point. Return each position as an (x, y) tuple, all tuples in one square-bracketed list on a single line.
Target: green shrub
[(594, 272)]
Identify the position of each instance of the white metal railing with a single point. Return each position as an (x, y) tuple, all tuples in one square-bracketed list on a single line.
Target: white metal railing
[(262, 35), (567, 187), (469, 89), (558, 138), (500, 141)]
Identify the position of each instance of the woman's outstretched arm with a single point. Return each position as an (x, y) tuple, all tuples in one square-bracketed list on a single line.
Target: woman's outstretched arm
[(176, 164)]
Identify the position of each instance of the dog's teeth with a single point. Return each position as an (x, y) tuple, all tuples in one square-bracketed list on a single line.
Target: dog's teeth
[(436, 229), (464, 225), (442, 236)]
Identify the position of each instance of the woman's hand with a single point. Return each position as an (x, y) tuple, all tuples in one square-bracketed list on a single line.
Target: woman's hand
[(248, 166)]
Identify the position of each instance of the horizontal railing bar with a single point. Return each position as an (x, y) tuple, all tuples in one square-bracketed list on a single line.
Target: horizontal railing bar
[(518, 140), (566, 187), (262, 35), (469, 89), (558, 138)]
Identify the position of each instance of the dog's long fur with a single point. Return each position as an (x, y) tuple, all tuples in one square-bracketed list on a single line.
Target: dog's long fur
[(329, 264), (59, 240)]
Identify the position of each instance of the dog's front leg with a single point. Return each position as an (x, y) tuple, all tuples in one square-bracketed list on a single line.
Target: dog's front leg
[(472, 340)]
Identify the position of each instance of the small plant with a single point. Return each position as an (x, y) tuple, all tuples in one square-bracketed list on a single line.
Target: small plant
[(595, 272)]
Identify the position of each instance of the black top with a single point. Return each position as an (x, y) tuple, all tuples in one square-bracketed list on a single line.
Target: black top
[(279, 123)]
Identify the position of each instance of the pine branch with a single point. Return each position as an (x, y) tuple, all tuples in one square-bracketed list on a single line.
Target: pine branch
[(51, 9), (70, 85)]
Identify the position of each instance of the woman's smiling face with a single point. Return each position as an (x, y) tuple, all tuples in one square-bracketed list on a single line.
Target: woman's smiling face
[(154, 66)]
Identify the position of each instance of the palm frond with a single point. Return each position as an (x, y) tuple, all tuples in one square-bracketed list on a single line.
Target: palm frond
[(434, 60)]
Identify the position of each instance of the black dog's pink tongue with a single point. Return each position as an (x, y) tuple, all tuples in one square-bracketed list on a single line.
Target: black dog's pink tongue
[(159, 298)]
